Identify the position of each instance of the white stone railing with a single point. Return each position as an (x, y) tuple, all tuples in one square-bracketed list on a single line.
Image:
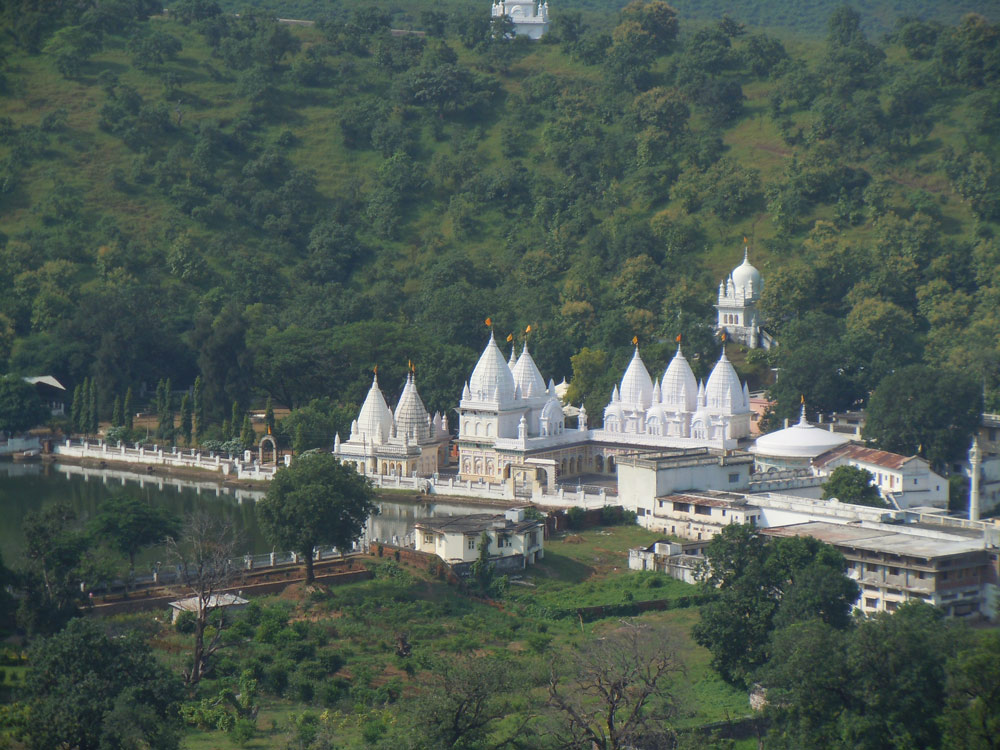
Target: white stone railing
[(175, 458)]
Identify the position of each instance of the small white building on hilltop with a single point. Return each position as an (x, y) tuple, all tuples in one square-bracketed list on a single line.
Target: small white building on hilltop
[(737, 305), (403, 443), (530, 19)]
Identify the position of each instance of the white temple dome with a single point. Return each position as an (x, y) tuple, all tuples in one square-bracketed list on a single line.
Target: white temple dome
[(374, 423), (527, 376), (637, 387), (411, 415), (801, 440), (492, 379), (679, 388), (724, 390), (747, 278)]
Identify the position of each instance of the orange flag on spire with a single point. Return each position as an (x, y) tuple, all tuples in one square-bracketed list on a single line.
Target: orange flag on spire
[(802, 398), (375, 370), (723, 337), (489, 322), (528, 329), (510, 337), (635, 341), (678, 338), (745, 240)]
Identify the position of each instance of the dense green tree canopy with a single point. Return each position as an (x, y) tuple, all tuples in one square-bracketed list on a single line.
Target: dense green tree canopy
[(762, 584), (88, 690), (20, 406)]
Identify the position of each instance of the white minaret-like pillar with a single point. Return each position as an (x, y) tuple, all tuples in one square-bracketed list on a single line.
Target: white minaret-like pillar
[(975, 455)]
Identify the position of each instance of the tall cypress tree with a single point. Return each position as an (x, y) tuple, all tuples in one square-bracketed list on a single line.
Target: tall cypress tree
[(198, 410), (186, 419), (74, 412), (129, 414), (92, 418), (116, 412), (269, 416), (247, 434), (235, 421)]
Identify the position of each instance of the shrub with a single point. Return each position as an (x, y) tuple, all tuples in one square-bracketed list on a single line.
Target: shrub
[(185, 623), (242, 731), (575, 516)]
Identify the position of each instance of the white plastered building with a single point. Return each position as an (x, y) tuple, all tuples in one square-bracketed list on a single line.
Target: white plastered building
[(406, 442), (531, 19)]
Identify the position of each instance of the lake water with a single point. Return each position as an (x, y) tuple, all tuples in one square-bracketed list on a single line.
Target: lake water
[(29, 487)]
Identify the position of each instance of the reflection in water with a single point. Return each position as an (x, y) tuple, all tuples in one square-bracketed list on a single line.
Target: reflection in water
[(29, 487)]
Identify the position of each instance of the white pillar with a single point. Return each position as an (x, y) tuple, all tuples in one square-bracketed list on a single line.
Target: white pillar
[(974, 459)]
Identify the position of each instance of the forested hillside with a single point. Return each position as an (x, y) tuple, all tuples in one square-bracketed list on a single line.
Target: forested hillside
[(280, 208)]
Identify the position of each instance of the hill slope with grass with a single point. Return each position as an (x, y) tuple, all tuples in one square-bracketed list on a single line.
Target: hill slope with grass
[(280, 208)]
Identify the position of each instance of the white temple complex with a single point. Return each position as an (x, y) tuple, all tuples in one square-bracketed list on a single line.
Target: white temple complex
[(512, 423), (530, 19)]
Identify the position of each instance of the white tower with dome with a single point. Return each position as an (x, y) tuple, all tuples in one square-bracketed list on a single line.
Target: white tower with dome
[(737, 305)]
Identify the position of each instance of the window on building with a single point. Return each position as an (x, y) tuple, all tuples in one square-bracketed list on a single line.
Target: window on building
[(723, 512), (894, 571), (914, 480), (702, 510), (532, 538), (640, 511), (891, 606), (472, 542), (682, 507), (734, 478), (428, 538), (871, 602), (662, 503)]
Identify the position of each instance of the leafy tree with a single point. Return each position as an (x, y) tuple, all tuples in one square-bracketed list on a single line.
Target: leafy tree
[(850, 484), (71, 46), (20, 406), (317, 500), (76, 406), (759, 584), (923, 410), (116, 412), (90, 691), (130, 525)]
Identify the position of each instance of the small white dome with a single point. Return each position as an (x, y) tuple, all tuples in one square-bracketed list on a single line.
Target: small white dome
[(374, 422), (747, 278), (724, 392), (527, 376), (411, 415), (553, 413), (680, 389), (636, 390), (492, 379), (801, 440)]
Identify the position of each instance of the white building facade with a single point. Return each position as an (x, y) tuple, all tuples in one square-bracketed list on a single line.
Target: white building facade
[(530, 19), (903, 481), (737, 305)]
